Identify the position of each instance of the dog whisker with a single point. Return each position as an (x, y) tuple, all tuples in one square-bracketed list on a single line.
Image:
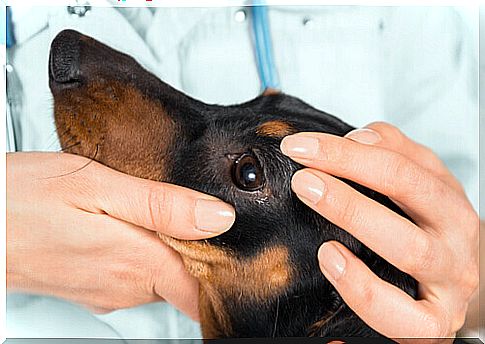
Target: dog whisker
[(79, 169), (69, 140), (276, 318), (71, 146)]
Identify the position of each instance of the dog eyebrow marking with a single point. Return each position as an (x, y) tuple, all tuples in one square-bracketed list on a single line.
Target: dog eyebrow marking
[(275, 128)]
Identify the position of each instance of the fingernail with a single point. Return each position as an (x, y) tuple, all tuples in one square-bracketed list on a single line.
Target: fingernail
[(213, 216), (365, 136), (308, 186), (299, 146), (331, 260)]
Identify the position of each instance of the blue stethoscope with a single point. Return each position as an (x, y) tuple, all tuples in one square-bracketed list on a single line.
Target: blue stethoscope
[(263, 48)]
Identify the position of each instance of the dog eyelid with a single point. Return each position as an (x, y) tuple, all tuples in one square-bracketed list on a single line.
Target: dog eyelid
[(251, 151), (233, 156)]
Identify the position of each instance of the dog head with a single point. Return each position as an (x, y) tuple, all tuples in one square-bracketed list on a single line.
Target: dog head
[(261, 278)]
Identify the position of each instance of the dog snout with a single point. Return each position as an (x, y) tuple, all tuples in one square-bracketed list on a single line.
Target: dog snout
[(64, 60)]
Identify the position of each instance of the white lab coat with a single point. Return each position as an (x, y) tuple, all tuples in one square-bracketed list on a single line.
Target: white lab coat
[(415, 67)]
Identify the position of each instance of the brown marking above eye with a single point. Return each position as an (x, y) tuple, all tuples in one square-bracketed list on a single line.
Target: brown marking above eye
[(275, 128)]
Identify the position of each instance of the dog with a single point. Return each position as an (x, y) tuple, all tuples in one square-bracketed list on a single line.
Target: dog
[(261, 278)]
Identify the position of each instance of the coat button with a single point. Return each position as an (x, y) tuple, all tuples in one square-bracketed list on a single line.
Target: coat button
[(81, 10), (307, 21), (240, 16)]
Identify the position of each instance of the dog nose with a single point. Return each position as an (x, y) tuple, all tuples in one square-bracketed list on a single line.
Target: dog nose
[(64, 59)]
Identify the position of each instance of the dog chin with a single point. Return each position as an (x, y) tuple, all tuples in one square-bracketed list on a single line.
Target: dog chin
[(197, 256)]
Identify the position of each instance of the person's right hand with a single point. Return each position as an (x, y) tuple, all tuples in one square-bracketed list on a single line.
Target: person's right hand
[(83, 236)]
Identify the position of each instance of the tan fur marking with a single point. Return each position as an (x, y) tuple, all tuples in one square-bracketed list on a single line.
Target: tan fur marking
[(222, 275), (215, 322), (258, 277), (275, 129), (271, 92)]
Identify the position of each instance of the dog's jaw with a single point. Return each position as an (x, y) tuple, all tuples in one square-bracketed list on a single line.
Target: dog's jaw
[(223, 276)]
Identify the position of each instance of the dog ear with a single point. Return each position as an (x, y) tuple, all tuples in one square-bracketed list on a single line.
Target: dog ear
[(109, 108)]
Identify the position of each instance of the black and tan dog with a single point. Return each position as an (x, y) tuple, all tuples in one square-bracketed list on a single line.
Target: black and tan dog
[(261, 278)]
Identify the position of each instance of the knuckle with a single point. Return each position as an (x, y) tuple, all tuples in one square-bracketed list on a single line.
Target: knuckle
[(413, 177), (437, 188), (423, 256), (348, 212), (389, 131), (399, 175), (432, 160), (160, 207), (366, 296), (383, 127), (428, 152)]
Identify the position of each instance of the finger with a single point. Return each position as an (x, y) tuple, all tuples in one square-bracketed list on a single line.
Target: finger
[(161, 274), (176, 285), (384, 307), (382, 230), (170, 209), (167, 277), (389, 137), (416, 189)]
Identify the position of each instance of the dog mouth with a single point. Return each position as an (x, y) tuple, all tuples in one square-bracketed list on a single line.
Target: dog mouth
[(196, 250), (202, 260)]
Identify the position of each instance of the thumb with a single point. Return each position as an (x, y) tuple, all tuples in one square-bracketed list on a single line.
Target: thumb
[(166, 208)]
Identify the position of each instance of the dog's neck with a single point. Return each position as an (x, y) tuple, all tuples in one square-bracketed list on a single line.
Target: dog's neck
[(293, 313), (264, 295)]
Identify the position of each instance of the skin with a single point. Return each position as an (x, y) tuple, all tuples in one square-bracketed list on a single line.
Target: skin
[(83, 236), (440, 249)]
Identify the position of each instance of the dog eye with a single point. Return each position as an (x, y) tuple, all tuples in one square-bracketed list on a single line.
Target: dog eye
[(247, 173)]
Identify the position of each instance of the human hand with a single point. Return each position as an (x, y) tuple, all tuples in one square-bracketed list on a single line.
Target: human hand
[(83, 236), (440, 250)]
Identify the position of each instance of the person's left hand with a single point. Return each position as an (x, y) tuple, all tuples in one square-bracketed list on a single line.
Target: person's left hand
[(440, 249)]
